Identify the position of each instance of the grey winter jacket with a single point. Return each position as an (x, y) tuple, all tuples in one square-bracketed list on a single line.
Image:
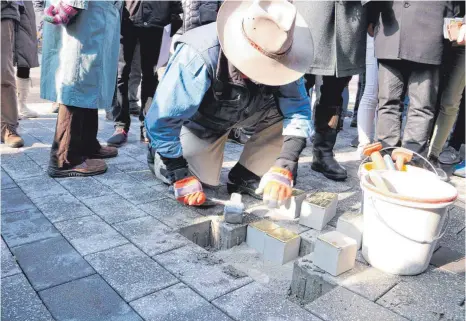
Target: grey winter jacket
[(338, 30), (10, 10), (26, 38)]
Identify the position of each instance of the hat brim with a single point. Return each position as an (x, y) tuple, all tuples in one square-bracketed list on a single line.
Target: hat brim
[(250, 61)]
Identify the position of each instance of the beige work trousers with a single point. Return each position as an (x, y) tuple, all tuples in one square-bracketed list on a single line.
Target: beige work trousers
[(9, 110), (205, 157)]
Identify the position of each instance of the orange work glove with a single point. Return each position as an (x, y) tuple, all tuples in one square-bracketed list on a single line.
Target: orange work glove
[(276, 186), (189, 191)]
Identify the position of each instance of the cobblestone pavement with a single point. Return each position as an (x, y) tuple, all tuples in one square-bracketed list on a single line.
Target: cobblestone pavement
[(113, 247)]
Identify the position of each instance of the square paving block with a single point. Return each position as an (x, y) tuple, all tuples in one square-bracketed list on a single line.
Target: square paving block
[(14, 200), (449, 260), (264, 212), (204, 273), (150, 235), (26, 227), (318, 209), (9, 265), (7, 182), (41, 186), (257, 232), (335, 253), (87, 299), (62, 208), (292, 207), (433, 295), (352, 225), (177, 303), (343, 305), (254, 302), (20, 302), (90, 234), (84, 187), (309, 238), (23, 169), (51, 262), (113, 209), (145, 177), (130, 272), (281, 246), (225, 235), (172, 213)]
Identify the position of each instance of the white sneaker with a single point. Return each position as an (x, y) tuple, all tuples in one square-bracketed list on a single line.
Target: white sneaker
[(449, 156)]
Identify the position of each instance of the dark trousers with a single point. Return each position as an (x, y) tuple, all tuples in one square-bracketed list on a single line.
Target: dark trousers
[(457, 137), (420, 81), (75, 136), (150, 41), (361, 86)]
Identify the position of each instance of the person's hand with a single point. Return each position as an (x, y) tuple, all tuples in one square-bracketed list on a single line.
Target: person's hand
[(370, 29), (189, 191), (59, 15), (276, 187), (461, 35)]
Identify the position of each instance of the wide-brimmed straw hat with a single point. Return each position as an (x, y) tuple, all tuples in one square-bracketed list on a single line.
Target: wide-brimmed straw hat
[(268, 41)]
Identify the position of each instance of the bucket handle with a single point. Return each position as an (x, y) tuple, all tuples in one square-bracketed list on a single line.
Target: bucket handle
[(389, 148), (445, 225)]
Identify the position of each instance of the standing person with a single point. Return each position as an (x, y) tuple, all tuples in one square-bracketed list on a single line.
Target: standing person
[(225, 75), (25, 56), (79, 59), (409, 64), (10, 17), (339, 35), (142, 21)]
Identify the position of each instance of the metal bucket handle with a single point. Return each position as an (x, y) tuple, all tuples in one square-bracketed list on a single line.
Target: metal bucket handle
[(445, 225), (389, 148)]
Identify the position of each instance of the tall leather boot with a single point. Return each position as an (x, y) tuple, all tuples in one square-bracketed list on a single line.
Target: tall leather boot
[(327, 121), (23, 86)]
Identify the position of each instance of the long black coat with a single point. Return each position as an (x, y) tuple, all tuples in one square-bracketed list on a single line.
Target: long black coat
[(412, 30)]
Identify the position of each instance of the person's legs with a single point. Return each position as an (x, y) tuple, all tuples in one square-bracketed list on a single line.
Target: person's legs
[(450, 100), (23, 84), (457, 137), (360, 92), (91, 146), (135, 81), (327, 115), (423, 91), (369, 99), (9, 109), (344, 107), (391, 90), (150, 40)]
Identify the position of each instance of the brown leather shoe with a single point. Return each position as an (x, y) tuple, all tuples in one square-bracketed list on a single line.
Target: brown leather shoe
[(105, 152), (89, 167), (10, 136)]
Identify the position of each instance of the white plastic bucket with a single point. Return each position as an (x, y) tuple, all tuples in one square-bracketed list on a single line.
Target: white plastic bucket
[(401, 229)]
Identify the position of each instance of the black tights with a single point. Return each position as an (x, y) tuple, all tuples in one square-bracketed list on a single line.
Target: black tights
[(23, 72)]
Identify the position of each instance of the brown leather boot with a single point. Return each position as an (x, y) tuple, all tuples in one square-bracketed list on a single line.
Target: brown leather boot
[(10, 136), (105, 152), (89, 167)]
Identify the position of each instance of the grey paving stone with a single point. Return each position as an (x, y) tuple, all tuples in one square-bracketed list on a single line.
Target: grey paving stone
[(15, 156), (40, 155), (23, 169), (132, 166), (254, 302), (41, 186), (288, 223), (343, 305), (454, 241), (90, 234), (14, 200), (449, 260), (7, 182), (199, 269), (121, 159), (87, 299), (51, 262), (25, 227), (113, 208), (172, 213), (20, 302), (130, 272), (62, 208), (433, 295), (150, 235), (9, 265), (84, 187), (146, 177), (177, 303)]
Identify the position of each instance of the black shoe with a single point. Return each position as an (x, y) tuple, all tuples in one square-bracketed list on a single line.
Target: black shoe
[(355, 142), (243, 181), (329, 167), (143, 135), (354, 122), (324, 160), (237, 136), (119, 137)]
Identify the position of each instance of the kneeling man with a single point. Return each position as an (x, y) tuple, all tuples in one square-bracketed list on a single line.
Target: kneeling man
[(245, 69)]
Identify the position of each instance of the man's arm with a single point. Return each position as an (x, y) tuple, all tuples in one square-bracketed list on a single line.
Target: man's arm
[(177, 98)]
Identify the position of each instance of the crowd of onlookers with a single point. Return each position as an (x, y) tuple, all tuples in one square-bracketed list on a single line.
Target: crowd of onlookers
[(409, 55)]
